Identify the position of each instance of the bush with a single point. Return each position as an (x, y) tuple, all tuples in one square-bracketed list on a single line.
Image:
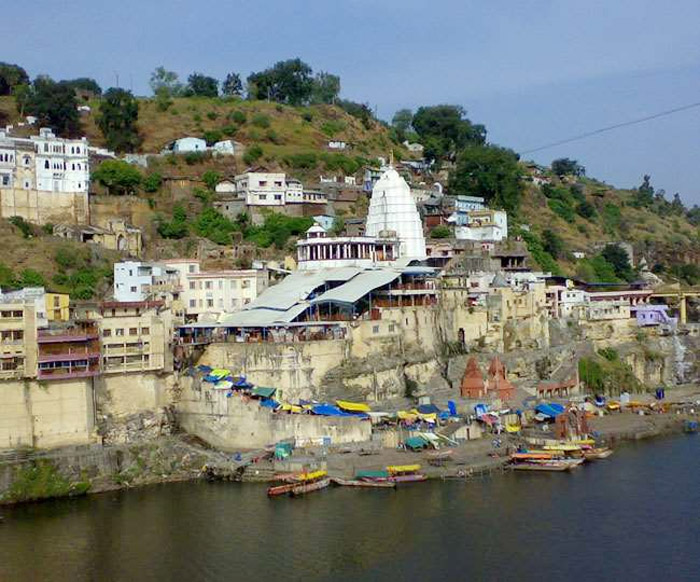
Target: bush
[(215, 226), (25, 228), (333, 127), (212, 115), (541, 256), (561, 209), (302, 161), (229, 130), (31, 278), (261, 120), (334, 162), (211, 179), (193, 158), (212, 136), (153, 182), (175, 228), (307, 116), (441, 231), (238, 117), (7, 277), (252, 154), (118, 177), (277, 229), (272, 135)]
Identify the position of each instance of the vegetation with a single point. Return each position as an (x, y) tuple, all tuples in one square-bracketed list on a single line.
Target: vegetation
[(444, 130), (441, 231), (119, 112), (41, 479), (118, 177), (566, 167), (606, 373), (11, 76), (53, 104), (177, 227)]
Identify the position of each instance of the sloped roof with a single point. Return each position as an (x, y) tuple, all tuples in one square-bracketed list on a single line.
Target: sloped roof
[(357, 287)]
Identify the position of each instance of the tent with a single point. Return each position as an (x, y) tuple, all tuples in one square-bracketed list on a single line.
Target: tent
[(262, 392), (416, 443), (353, 406), (204, 369), (551, 410), (428, 409)]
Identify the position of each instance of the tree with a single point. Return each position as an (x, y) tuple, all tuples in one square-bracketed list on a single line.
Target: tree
[(153, 182), (54, 105), (211, 179), (401, 122), (85, 84), (119, 112), (441, 231), (618, 258), (326, 88), (286, 82), (644, 195), (552, 243), (177, 227), (491, 172), (202, 86), (586, 210), (444, 130), (118, 177), (566, 167), (31, 278), (677, 206), (10, 77), (361, 111), (165, 83), (232, 85)]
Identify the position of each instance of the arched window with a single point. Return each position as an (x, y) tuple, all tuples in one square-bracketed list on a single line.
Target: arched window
[(46, 165)]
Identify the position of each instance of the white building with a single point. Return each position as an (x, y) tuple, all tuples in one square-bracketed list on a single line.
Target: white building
[(29, 295), (139, 281), (484, 225), (186, 145), (45, 163), (392, 208), (319, 251), (207, 295), (274, 189)]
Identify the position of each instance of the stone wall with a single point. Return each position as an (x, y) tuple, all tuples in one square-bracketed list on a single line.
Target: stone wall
[(45, 207), (230, 423), (46, 414), (121, 395)]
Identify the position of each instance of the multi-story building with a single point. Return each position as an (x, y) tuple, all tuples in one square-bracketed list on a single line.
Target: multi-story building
[(68, 352), (139, 281), (273, 189), (482, 225), (44, 178), (34, 295), (18, 345), (57, 307)]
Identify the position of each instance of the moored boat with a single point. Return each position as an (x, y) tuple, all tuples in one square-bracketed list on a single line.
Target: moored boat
[(597, 453), (555, 466), (304, 488), (295, 480), (406, 473), (364, 483)]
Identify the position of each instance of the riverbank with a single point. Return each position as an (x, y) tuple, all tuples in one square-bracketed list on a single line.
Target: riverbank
[(30, 475)]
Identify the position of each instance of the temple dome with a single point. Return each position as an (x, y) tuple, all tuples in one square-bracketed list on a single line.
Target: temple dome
[(392, 208)]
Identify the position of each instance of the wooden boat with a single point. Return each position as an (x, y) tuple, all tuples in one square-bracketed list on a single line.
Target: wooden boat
[(597, 453), (295, 480), (549, 466), (364, 483), (397, 469), (305, 488), (535, 455), (409, 478), (374, 476)]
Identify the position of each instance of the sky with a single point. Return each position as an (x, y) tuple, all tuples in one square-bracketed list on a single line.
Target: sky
[(533, 71)]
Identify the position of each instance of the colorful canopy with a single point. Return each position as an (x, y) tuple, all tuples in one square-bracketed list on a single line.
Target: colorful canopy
[(403, 468), (263, 392), (353, 406)]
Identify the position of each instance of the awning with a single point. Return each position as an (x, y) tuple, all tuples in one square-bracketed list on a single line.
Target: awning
[(262, 392), (372, 475), (353, 406)]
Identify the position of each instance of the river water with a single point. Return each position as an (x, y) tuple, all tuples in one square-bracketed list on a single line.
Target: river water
[(635, 516)]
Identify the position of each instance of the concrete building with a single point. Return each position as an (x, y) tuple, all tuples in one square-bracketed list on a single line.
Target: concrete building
[(44, 178), (186, 145), (483, 225), (33, 295), (18, 345), (267, 188), (118, 236), (69, 352), (392, 208), (57, 307), (139, 281), (320, 251)]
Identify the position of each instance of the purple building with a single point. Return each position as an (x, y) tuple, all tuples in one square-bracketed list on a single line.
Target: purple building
[(653, 315)]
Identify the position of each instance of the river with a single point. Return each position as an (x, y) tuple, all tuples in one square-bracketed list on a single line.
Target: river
[(633, 516)]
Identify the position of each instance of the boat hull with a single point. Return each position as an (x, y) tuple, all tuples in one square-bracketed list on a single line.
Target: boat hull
[(366, 484), (298, 490), (409, 478)]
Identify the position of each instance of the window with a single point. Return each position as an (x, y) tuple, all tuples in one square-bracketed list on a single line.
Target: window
[(119, 332), (133, 289), (191, 268), (246, 301), (106, 333), (234, 284), (207, 285), (192, 285), (262, 197), (262, 183), (210, 303), (193, 303), (391, 327), (221, 284), (375, 329), (278, 183), (278, 196), (133, 331), (245, 284)]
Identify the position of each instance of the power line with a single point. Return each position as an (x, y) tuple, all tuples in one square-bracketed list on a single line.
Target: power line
[(611, 127)]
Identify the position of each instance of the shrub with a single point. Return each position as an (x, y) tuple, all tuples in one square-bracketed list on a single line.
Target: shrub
[(441, 231), (25, 228), (334, 162), (542, 257), (118, 177), (193, 158), (215, 226), (212, 136), (211, 179), (212, 115), (307, 116), (561, 209), (153, 182), (31, 278), (272, 136), (177, 227), (238, 117), (261, 120), (252, 154), (302, 161), (229, 130), (333, 127)]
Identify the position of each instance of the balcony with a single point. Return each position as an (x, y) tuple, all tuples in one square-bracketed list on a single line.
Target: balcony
[(71, 356), (60, 336), (61, 373)]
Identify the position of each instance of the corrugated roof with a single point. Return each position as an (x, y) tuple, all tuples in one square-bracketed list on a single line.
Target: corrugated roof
[(357, 287), (263, 316)]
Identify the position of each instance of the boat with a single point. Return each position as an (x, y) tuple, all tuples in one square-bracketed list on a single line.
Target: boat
[(406, 473), (295, 480), (375, 476), (304, 488), (597, 453), (555, 466), (364, 483)]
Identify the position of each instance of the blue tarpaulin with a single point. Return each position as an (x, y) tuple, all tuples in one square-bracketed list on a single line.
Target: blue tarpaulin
[(481, 409), (452, 407), (212, 379), (204, 369), (428, 409), (331, 410), (551, 409), (269, 403)]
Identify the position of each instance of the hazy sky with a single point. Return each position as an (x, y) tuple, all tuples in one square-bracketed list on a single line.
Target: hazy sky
[(533, 71)]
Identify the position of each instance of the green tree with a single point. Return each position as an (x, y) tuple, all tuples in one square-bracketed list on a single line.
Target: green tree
[(119, 112), (361, 111), (153, 182), (232, 85), (118, 177), (644, 196), (552, 243), (7, 277), (85, 84), (202, 86), (165, 83), (444, 130), (54, 105), (441, 231), (177, 227), (211, 179), (213, 225), (252, 154), (325, 88), (586, 210), (401, 122), (31, 278), (618, 258), (567, 167), (287, 81), (491, 172), (677, 206), (11, 76)]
